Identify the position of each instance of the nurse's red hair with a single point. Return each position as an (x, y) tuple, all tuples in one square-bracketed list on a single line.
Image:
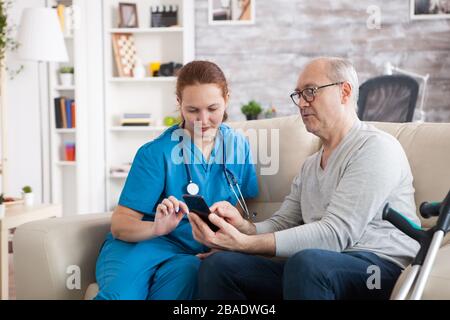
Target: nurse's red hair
[(201, 72)]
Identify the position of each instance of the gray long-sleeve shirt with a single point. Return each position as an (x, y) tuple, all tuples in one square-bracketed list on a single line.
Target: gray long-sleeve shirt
[(339, 208)]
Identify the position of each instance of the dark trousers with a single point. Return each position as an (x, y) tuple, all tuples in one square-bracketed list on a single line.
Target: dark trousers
[(309, 274)]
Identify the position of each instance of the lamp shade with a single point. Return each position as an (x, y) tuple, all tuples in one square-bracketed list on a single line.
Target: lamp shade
[(40, 36)]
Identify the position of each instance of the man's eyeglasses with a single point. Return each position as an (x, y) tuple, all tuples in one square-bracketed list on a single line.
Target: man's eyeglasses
[(309, 94)]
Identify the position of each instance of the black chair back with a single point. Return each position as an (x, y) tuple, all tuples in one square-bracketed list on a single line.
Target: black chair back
[(388, 99)]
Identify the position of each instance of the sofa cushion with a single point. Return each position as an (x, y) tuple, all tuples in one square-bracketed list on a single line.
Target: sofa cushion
[(427, 146), (287, 157)]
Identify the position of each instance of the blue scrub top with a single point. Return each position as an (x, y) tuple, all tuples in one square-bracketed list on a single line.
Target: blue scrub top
[(158, 170)]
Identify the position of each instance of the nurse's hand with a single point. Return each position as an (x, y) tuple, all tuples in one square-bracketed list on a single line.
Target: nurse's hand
[(205, 255), (230, 213), (168, 214)]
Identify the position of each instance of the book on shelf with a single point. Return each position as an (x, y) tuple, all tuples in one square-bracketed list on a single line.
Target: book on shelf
[(69, 151), (136, 115), (134, 122), (58, 114), (120, 171), (72, 109), (122, 168), (66, 17), (68, 104), (135, 119), (60, 8), (62, 106), (65, 111)]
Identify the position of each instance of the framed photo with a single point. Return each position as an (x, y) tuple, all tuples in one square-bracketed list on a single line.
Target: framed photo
[(429, 9), (231, 12), (124, 53), (128, 17)]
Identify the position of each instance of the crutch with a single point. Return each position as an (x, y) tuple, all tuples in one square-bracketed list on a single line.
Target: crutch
[(430, 241)]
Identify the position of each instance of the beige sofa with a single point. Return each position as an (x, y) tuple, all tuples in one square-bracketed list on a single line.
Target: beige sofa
[(45, 250)]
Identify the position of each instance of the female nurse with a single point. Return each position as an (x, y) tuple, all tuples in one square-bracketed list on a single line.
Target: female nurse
[(150, 252)]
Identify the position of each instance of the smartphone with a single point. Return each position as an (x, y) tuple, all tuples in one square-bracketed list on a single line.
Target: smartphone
[(197, 205)]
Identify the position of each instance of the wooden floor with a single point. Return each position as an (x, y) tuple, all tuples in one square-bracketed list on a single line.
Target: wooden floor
[(12, 287)]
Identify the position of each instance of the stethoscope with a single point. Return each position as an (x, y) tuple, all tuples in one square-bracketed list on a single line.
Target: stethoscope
[(193, 189)]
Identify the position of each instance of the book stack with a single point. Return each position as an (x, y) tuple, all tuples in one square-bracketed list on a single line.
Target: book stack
[(135, 119), (120, 171), (65, 113), (69, 149)]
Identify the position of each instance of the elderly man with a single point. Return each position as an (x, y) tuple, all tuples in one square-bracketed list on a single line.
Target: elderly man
[(330, 226)]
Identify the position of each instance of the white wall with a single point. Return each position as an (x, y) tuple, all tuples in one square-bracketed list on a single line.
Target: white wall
[(95, 193), (23, 117), (24, 155)]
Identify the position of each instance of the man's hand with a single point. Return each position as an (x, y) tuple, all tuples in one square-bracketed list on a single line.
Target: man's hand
[(168, 215), (231, 215), (227, 237)]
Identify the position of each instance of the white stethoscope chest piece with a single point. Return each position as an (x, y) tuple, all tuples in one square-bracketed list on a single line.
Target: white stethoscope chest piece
[(192, 188)]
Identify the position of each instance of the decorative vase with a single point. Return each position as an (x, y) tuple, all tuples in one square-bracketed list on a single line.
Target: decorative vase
[(66, 79), (139, 71), (271, 115), (2, 210), (251, 116), (29, 199)]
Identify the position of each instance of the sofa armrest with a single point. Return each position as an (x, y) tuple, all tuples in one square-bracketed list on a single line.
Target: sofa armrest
[(47, 254)]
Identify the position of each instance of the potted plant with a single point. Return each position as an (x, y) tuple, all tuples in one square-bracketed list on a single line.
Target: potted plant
[(251, 110), (66, 76), (2, 206), (28, 195)]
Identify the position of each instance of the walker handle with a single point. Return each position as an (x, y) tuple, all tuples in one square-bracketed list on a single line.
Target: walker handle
[(443, 222), (430, 209), (403, 223)]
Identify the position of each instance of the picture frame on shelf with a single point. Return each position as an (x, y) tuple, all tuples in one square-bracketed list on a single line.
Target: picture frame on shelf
[(128, 16), (124, 53), (429, 9), (231, 12)]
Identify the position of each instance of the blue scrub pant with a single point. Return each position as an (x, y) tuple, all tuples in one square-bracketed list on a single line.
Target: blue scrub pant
[(309, 274), (162, 268)]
